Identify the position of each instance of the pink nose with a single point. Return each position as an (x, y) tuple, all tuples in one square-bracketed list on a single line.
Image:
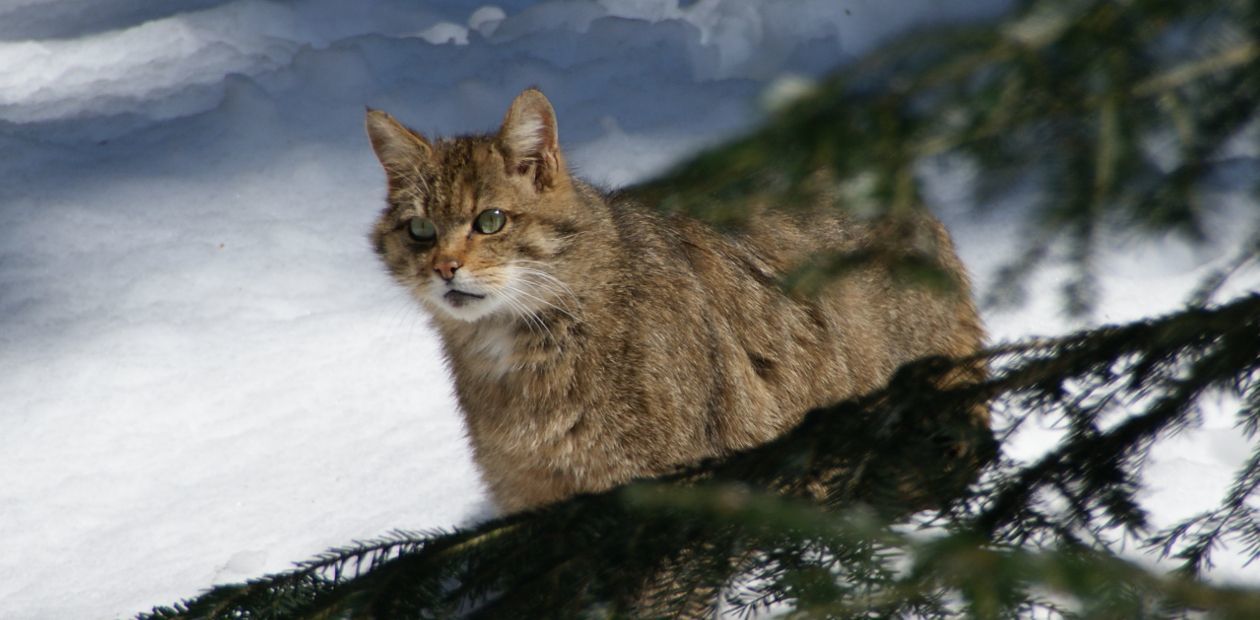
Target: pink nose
[(446, 268)]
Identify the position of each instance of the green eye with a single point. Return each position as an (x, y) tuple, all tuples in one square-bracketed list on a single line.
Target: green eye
[(422, 230), (490, 221)]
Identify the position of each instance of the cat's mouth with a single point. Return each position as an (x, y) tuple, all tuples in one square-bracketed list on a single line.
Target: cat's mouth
[(459, 298)]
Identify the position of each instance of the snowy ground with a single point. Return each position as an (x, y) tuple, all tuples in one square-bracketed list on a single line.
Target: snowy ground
[(204, 374)]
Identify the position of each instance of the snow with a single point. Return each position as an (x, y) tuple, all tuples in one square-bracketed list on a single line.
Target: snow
[(204, 373)]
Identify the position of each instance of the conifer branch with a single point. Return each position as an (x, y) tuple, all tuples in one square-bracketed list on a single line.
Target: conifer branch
[(1066, 92), (880, 458), (1239, 55)]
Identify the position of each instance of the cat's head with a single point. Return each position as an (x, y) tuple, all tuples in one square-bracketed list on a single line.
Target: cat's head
[(474, 224)]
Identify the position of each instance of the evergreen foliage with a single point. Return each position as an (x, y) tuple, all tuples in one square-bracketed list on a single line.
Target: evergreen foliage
[(900, 502), (1118, 112)]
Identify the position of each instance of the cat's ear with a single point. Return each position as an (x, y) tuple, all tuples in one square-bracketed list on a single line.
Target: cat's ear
[(530, 143), (398, 148)]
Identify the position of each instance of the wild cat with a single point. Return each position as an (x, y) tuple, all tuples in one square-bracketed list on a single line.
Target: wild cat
[(593, 340)]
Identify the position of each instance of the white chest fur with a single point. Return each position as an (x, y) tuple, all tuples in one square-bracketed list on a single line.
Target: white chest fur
[(492, 346)]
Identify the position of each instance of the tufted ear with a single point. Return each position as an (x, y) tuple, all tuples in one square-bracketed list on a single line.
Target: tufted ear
[(399, 149), (529, 141)]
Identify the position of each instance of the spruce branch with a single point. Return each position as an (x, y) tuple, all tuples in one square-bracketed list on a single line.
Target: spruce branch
[(874, 462), (1064, 93)]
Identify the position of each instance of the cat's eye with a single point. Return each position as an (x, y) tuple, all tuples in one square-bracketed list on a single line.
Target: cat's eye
[(422, 230), (490, 221)]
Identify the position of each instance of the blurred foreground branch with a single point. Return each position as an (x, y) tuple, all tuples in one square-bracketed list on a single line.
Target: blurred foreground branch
[(919, 512), (1110, 118)]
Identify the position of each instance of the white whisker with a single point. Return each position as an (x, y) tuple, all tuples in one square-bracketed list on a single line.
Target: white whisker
[(547, 285), (544, 302), (530, 316)]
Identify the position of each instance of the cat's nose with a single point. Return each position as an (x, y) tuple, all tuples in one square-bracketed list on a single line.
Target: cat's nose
[(446, 268)]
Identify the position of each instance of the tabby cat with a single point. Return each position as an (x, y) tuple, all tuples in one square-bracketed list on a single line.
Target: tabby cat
[(593, 340)]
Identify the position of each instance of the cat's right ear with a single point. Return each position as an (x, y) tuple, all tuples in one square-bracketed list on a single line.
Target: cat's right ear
[(399, 149), (529, 139)]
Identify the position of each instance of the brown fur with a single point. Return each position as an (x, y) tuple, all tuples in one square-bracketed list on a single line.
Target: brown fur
[(643, 341)]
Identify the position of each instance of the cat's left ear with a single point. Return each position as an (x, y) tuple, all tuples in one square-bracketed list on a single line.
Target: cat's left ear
[(398, 147), (529, 140)]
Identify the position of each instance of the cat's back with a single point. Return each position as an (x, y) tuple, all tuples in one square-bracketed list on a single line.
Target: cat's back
[(713, 312)]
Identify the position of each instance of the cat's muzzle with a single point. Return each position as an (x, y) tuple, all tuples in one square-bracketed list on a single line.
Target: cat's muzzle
[(460, 299)]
